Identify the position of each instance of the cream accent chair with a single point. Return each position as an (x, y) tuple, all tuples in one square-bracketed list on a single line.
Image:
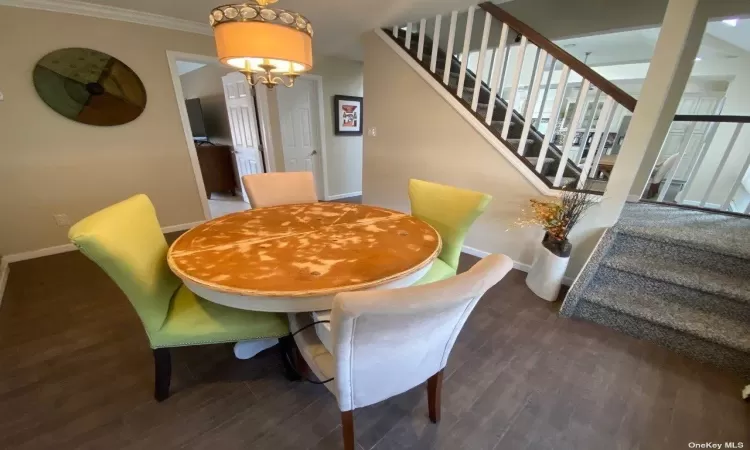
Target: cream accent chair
[(386, 342), (280, 188)]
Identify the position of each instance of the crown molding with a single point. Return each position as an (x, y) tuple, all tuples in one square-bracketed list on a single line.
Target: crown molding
[(112, 13)]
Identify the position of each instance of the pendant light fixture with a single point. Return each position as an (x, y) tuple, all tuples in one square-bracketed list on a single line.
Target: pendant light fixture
[(269, 46)]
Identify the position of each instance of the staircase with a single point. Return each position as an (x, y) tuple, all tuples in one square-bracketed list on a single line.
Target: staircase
[(675, 276), (555, 166)]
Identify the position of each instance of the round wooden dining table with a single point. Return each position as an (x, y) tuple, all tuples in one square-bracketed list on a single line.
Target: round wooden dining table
[(296, 258)]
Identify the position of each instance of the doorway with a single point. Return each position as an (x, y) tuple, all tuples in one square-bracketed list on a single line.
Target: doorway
[(225, 125), (302, 125)]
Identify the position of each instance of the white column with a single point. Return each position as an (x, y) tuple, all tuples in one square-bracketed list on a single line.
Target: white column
[(676, 49)]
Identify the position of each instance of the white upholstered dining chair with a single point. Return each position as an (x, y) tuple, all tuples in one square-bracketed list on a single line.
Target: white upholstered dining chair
[(386, 342), (280, 188)]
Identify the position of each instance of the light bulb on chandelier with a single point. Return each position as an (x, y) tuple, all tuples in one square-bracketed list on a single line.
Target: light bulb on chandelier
[(270, 46)]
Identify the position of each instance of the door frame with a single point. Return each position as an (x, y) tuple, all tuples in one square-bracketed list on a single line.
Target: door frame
[(318, 80), (264, 117)]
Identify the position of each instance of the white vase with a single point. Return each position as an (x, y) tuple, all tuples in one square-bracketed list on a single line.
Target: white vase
[(546, 274)]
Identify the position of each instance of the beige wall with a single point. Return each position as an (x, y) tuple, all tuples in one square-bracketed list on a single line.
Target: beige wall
[(50, 164), (343, 153), (419, 135), (205, 84)]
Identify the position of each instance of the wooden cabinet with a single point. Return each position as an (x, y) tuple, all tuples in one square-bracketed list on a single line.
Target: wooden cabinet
[(217, 168)]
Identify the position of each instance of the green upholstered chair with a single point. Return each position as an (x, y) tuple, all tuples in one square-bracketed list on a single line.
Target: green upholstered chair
[(126, 241), (451, 211)]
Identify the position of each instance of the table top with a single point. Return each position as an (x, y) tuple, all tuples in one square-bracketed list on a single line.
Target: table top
[(304, 250)]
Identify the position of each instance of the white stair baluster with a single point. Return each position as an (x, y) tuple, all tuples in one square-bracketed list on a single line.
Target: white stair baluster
[(600, 151), (449, 49), (514, 87), (736, 186), (720, 167), (395, 31), (496, 69), (571, 132), (546, 91), (602, 127), (435, 43), (585, 139), (465, 52), (531, 78), (420, 42), (408, 36), (554, 116), (536, 83), (480, 65), (684, 143), (705, 145)]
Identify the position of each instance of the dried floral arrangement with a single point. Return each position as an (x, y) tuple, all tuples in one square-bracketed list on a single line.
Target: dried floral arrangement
[(558, 216)]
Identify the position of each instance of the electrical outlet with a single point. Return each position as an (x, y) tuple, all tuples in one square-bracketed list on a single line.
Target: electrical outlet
[(62, 220)]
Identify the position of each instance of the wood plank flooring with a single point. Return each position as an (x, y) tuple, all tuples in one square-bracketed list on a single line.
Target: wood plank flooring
[(76, 372)]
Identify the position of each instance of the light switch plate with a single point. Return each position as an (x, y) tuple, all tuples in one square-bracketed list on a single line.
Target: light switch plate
[(372, 131)]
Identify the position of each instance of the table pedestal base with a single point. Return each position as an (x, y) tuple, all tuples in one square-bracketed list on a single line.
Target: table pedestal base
[(248, 349)]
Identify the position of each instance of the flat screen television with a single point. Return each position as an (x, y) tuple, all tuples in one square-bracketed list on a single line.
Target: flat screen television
[(197, 124)]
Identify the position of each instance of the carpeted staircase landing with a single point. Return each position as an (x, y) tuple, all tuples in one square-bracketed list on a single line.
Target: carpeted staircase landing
[(675, 276)]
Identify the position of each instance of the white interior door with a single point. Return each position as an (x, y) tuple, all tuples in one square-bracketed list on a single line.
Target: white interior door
[(299, 116), (243, 125)]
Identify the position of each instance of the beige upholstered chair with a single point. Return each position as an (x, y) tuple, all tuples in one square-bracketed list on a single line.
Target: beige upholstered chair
[(386, 342), (280, 188)]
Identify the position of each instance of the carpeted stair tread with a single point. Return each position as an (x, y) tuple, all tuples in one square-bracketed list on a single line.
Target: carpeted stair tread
[(688, 275), (719, 233), (698, 300), (706, 325)]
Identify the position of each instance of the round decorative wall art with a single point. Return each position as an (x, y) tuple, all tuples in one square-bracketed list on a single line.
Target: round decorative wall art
[(89, 86)]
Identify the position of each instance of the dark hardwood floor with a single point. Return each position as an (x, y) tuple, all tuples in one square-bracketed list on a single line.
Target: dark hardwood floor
[(76, 372)]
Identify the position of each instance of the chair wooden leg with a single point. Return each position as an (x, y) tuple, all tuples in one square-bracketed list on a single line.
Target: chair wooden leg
[(434, 391), (162, 373), (347, 427)]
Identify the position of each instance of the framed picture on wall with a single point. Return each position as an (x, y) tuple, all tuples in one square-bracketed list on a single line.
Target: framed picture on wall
[(347, 115)]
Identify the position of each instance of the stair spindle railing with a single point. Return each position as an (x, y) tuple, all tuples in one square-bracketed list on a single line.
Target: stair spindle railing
[(506, 74)]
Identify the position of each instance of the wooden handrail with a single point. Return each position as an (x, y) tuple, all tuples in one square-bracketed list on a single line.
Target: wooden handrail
[(708, 118), (606, 86)]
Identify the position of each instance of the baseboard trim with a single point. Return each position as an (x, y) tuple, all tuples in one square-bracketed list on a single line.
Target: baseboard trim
[(4, 272), (181, 227), (346, 195), (49, 251), (523, 267)]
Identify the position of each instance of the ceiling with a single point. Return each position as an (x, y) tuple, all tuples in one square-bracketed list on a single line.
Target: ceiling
[(721, 42), (338, 24)]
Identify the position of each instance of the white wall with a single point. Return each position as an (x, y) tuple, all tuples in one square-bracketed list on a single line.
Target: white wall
[(50, 164), (419, 135), (343, 153), (205, 84)]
